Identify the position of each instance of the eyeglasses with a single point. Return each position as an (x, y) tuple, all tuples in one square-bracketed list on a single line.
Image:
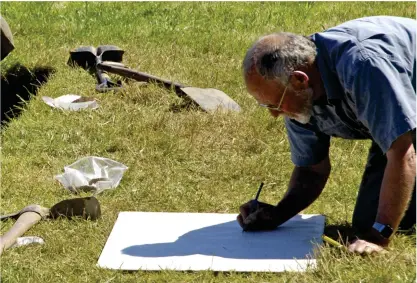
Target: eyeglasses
[(273, 107)]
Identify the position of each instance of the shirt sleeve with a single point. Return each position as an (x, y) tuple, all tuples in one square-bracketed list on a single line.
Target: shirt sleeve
[(308, 145), (385, 99)]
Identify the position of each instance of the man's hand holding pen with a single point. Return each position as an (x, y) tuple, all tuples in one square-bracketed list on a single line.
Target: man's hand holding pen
[(255, 215)]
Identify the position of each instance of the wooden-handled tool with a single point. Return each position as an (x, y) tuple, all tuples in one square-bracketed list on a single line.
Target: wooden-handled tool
[(87, 208), (208, 99)]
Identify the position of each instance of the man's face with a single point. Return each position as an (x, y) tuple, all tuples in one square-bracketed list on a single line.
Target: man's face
[(296, 104)]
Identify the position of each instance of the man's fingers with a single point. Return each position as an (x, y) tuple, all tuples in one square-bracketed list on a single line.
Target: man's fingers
[(259, 220), (353, 246), (360, 247), (376, 249), (244, 210), (368, 250), (240, 220), (364, 247), (249, 223)]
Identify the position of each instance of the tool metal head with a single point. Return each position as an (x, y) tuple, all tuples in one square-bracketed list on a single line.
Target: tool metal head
[(6, 41), (42, 211), (110, 53), (85, 57), (210, 99), (87, 208)]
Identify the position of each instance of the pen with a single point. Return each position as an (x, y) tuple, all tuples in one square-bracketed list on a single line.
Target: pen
[(254, 202), (259, 191), (332, 242)]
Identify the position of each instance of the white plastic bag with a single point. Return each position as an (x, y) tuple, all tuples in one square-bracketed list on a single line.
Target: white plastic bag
[(92, 173), (24, 241), (71, 102)]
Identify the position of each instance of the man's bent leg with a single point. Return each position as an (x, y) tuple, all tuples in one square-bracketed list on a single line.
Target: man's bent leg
[(367, 201), (366, 206)]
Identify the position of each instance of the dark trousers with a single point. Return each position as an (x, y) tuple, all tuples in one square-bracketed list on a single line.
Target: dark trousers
[(368, 197)]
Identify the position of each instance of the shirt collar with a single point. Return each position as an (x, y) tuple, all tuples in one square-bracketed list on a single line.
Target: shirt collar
[(329, 77)]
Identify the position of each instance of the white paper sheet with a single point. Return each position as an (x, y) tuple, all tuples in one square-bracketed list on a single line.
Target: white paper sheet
[(209, 241)]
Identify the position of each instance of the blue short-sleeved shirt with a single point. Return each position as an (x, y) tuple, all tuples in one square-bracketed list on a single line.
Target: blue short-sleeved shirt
[(368, 67)]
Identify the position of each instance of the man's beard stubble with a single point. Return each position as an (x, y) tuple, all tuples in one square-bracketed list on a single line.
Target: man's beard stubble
[(306, 111)]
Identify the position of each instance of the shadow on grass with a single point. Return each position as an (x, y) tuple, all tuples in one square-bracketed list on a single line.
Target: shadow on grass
[(344, 232), (18, 83), (185, 105)]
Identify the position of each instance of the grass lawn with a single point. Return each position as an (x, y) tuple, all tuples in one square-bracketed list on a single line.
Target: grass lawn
[(179, 161)]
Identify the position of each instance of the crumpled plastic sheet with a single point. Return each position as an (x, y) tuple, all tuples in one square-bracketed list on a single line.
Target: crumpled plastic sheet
[(24, 241), (92, 174), (71, 102)]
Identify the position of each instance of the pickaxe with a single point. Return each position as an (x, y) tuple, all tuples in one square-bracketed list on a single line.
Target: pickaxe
[(89, 57)]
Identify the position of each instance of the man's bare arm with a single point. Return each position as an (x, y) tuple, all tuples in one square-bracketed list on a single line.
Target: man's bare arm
[(306, 184), (398, 181)]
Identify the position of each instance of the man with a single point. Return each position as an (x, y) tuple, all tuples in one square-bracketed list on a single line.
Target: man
[(354, 81)]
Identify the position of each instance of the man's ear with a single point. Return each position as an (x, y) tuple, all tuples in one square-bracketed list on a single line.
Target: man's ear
[(299, 80)]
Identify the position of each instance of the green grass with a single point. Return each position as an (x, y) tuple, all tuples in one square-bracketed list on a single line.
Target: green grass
[(186, 161)]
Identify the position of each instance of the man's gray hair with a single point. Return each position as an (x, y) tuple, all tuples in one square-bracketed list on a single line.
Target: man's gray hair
[(277, 55)]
